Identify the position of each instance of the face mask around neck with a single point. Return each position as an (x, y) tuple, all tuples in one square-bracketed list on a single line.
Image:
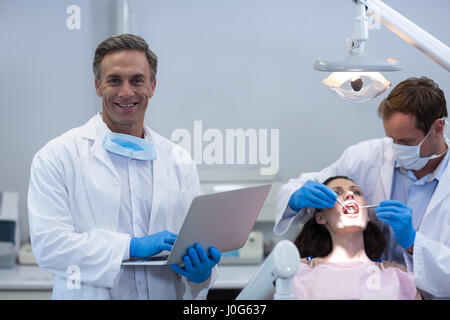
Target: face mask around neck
[(129, 146)]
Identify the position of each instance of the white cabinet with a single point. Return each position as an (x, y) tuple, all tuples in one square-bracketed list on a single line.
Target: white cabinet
[(25, 283)]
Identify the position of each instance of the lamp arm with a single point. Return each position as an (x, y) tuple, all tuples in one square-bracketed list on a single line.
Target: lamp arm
[(410, 32), (360, 31), (126, 20)]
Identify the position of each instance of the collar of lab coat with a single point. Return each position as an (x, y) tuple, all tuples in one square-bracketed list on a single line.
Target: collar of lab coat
[(441, 191), (96, 128)]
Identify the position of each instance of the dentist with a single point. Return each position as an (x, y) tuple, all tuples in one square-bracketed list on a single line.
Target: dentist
[(113, 189), (407, 173)]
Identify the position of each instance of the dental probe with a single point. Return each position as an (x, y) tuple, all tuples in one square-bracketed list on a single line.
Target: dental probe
[(369, 206), (338, 201)]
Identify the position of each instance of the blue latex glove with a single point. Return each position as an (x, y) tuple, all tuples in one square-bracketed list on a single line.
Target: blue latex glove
[(150, 245), (399, 217), (312, 194), (197, 264)]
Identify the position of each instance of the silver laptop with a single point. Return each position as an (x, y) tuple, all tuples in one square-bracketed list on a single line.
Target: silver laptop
[(222, 220)]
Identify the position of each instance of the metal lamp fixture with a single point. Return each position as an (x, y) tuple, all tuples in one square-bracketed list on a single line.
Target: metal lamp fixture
[(357, 78)]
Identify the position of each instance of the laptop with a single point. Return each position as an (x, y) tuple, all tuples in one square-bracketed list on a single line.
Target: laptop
[(222, 220)]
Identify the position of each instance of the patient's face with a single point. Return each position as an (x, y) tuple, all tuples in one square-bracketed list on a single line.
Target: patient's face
[(339, 219)]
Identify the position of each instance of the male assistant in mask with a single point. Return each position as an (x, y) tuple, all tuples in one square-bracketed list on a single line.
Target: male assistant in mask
[(407, 174), (113, 189)]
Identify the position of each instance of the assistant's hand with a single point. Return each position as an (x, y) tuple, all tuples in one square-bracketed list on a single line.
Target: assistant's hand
[(197, 264), (153, 244), (399, 217), (312, 194)]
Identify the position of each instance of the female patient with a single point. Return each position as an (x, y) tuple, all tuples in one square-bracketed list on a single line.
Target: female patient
[(341, 244)]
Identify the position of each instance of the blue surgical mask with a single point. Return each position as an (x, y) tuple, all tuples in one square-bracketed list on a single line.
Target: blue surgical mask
[(408, 157), (129, 146)]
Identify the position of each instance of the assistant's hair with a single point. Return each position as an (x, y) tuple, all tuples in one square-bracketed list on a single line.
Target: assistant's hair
[(421, 97), (124, 42), (315, 239)]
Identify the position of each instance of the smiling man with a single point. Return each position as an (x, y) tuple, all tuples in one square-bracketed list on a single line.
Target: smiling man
[(111, 190), (125, 82)]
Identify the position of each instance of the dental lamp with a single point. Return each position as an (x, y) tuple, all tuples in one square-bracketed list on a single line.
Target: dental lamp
[(357, 78), (279, 268)]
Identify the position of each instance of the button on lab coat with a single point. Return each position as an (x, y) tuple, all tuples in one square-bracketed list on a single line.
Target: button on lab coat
[(73, 205), (371, 165)]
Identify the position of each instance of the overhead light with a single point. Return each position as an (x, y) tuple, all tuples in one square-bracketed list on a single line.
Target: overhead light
[(357, 86), (358, 61), (357, 78)]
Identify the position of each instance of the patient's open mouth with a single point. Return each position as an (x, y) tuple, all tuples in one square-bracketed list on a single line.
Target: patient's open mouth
[(350, 207)]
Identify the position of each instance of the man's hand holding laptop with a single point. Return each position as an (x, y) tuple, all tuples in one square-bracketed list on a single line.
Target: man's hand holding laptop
[(197, 264)]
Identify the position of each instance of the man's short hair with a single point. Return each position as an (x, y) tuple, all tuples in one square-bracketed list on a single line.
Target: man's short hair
[(418, 96), (124, 42)]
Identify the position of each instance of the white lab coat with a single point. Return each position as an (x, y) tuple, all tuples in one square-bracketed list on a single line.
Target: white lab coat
[(73, 204), (371, 165)]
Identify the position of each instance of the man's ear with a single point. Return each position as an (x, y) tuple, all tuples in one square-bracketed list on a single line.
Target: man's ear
[(439, 127), (320, 218), (97, 87), (152, 89)]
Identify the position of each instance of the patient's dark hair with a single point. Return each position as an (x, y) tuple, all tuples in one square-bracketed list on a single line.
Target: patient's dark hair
[(315, 239)]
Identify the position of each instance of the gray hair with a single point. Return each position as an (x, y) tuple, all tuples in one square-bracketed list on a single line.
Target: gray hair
[(124, 42)]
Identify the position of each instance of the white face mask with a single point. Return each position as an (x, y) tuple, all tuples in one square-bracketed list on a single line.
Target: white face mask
[(128, 146), (409, 156)]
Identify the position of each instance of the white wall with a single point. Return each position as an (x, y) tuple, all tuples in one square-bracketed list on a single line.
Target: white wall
[(230, 63)]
